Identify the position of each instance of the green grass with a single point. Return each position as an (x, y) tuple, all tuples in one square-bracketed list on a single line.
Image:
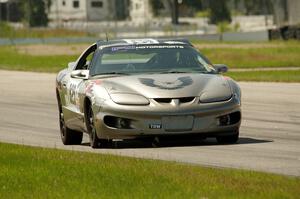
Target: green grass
[(10, 59), (284, 55), (28, 172), (7, 31), (266, 76)]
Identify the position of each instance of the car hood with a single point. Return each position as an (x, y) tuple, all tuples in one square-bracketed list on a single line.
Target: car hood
[(170, 85)]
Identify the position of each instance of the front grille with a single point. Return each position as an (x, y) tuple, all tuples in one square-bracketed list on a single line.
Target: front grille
[(182, 100), (186, 99), (163, 100)]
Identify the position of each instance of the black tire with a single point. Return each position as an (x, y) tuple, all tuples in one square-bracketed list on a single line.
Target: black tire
[(298, 34), (90, 125), (95, 142), (228, 139), (156, 142), (68, 136)]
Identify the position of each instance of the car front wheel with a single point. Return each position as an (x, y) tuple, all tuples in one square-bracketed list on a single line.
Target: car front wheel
[(95, 142)]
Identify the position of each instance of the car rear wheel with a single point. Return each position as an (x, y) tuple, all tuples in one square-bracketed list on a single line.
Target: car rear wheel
[(68, 136), (228, 139)]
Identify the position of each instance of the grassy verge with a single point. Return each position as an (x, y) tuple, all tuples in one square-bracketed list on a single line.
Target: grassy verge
[(266, 76), (10, 32), (237, 55), (28, 172), (10, 59), (269, 55)]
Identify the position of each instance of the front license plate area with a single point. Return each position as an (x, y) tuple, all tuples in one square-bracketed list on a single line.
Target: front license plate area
[(178, 123)]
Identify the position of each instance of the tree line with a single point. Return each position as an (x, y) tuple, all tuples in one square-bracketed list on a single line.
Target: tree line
[(35, 11), (219, 10)]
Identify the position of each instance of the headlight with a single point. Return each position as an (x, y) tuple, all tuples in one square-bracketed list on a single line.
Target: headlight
[(129, 99), (209, 97), (237, 98)]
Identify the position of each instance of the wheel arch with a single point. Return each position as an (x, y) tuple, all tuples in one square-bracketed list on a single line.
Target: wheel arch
[(87, 103), (57, 94), (59, 104)]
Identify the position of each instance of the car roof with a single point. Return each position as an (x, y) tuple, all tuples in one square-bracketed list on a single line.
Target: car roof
[(144, 41)]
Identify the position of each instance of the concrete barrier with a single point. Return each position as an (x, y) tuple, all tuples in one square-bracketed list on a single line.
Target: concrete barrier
[(20, 41), (82, 39), (54, 40), (5, 41), (210, 37), (257, 36)]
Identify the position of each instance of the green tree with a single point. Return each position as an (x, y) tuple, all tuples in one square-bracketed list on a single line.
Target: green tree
[(173, 5), (35, 12), (197, 4), (258, 7), (219, 11)]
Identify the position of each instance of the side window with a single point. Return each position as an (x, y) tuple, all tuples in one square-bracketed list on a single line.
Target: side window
[(89, 59), (86, 58)]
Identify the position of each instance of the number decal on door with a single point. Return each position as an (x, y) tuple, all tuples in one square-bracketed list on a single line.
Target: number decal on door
[(73, 93)]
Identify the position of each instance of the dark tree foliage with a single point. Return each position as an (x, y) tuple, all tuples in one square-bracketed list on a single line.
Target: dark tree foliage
[(197, 4), (172, 4), (174, 7), (256, 7), (175, 14), (219, 11), (35, 12), (156, 5)]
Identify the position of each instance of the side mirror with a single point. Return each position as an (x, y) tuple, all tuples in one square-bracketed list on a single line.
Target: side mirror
[(80, 74), (71, 65), (221, 68)]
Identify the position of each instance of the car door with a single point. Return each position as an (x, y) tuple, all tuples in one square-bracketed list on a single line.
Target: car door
[(74, 117)]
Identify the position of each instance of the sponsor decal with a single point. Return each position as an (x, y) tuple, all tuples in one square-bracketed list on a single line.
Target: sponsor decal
[(122, 48), (125, 48), (61, 76), (168, 85), (89, 87), (97, 82), (160, 46), (226, 78), (72, 93), (174, 42), (141, 41)]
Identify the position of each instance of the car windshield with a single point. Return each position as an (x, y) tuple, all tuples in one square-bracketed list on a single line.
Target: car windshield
[(150, 59)]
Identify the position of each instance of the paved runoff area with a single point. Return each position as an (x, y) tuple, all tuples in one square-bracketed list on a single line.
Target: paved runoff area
[(269, 135)]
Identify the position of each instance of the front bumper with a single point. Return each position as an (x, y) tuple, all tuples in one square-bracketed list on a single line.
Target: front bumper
[(205, 119)]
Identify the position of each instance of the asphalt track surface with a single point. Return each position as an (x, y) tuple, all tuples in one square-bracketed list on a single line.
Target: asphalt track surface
[(270, 131)]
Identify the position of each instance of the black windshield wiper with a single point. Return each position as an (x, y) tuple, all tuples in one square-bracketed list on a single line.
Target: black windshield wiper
[(113, 73), (174, 71)]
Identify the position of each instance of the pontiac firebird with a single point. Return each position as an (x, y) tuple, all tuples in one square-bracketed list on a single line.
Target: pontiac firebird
[(146, 88)]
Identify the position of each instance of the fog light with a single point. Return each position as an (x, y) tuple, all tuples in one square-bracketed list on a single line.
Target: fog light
[(122, 123), (224, 120), (117, 122)]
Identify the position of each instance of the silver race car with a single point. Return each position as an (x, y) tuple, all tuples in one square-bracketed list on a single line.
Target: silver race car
[(146, 88)]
